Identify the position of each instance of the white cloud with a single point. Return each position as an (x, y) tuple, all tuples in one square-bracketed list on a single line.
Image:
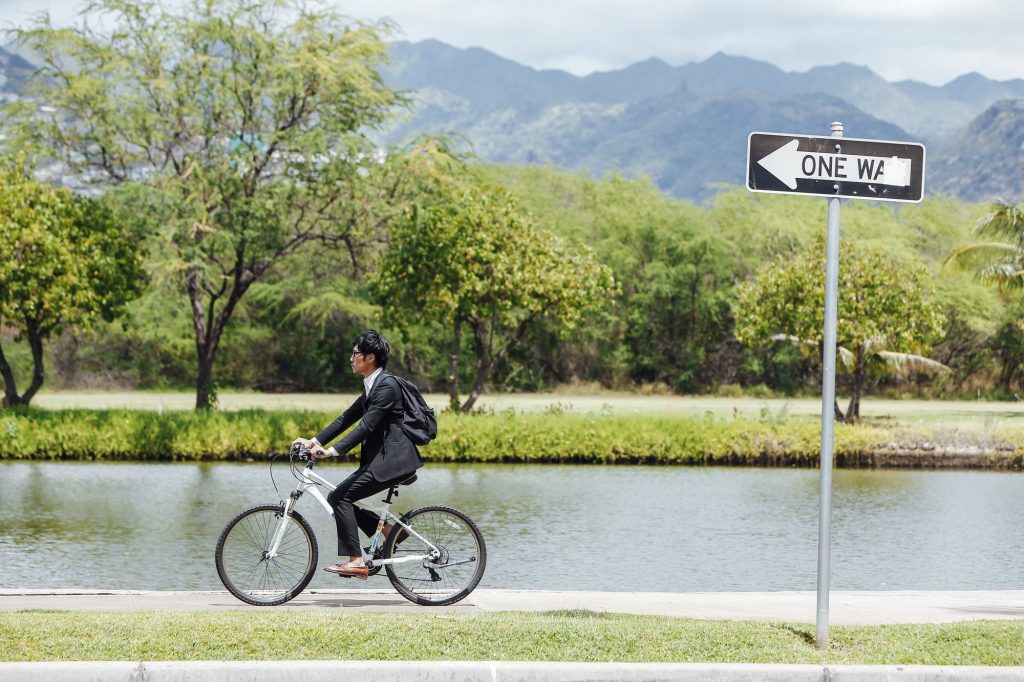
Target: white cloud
[(929, 40)]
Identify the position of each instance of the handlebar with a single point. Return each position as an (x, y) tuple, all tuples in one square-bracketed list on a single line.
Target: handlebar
[(300, 452)]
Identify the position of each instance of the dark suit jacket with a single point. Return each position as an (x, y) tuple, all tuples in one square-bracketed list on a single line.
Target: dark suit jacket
[(386, 450)]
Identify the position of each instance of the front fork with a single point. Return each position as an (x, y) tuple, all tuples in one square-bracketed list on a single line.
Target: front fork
[(286, 511)]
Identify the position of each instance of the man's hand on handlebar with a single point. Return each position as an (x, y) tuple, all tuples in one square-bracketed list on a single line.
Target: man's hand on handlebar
[(316, 451)]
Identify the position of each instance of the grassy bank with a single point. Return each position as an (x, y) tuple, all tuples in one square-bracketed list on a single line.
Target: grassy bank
[(512, 437), (552, 636)]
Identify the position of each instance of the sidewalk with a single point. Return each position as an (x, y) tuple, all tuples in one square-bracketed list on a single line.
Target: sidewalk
[(845, 608)]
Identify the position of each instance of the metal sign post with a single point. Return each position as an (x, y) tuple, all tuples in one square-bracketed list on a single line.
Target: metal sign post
[(833, 167), (828, 397)]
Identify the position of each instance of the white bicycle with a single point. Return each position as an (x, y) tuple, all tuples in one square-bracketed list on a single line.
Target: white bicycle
[(267, 555)]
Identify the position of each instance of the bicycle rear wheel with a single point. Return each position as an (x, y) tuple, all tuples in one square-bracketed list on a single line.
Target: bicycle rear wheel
[(442, 579), (242, 562)]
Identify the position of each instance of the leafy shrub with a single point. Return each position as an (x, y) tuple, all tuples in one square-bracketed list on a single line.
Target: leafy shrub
[(505, 437)]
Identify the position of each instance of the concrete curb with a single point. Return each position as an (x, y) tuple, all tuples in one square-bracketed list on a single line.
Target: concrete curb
[(486, 671)]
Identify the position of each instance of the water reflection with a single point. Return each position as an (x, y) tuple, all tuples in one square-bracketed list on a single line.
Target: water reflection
[(154, 526)]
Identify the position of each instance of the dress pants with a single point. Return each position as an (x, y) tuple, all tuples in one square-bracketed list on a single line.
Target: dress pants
[(349, 519)]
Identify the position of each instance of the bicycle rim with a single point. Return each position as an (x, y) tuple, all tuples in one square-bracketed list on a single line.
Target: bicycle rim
[(246, 571), (444, 579)]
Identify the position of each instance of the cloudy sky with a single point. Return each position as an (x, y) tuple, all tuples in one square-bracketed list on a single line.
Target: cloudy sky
[(928, 40)]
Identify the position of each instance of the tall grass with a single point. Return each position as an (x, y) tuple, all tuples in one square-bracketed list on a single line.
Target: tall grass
[(511, 437), (147, 435)]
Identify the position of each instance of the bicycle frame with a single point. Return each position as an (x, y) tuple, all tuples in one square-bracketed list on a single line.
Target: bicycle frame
[(310, 482)]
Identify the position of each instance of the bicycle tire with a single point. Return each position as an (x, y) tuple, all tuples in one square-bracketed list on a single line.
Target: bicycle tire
[(240, 556), (461, 544)]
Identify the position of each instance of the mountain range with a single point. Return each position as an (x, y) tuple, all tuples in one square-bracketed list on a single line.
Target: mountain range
[(686, 126), (14, 70)]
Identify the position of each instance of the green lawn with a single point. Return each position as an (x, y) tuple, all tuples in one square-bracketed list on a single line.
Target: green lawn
[(552, 636), (602, 403)]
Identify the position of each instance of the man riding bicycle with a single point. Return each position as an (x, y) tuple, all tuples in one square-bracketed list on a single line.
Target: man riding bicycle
[(387, 456)]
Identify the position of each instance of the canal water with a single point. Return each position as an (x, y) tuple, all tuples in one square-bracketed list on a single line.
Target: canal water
[(672, 529)]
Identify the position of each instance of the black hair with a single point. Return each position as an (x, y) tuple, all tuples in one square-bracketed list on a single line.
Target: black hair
[(371, 342)]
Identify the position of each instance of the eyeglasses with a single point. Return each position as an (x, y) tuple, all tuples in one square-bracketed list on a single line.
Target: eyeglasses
[(357, 353)]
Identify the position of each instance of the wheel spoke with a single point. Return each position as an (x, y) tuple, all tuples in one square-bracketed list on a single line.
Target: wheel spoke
[(244, 567), (457, 540)]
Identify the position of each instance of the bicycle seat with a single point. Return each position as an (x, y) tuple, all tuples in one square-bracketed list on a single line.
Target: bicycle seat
[(409, 481)]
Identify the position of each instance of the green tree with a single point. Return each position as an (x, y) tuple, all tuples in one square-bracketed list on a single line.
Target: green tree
[(1007, 344), (470, 260), (244, 121), (64, 260), (997, 258), (676, 274), (676, 303), (886, 311)]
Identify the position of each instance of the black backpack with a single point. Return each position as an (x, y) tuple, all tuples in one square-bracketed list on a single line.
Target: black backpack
[(419, 422)]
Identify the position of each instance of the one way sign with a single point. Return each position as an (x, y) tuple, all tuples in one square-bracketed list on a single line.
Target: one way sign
[(835, 167)]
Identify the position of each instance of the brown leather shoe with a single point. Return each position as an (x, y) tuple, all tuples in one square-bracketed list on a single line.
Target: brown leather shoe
[(347, 570)]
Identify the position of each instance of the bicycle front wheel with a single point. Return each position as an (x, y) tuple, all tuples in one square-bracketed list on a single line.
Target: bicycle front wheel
[(444, 576), (244, 564)]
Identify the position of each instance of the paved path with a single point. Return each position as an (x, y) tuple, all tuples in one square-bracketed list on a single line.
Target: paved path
[(845, 608)]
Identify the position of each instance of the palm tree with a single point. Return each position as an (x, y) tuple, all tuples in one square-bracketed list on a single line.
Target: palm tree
[(872, 352), (999, 259)]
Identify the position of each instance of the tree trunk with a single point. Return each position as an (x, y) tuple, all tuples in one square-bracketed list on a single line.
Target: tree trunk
[(484, 364), (11, 397), (209, 327), (453, 372), (482, 372), (483, 367), (859, 376), (35, 342), (1005, 374), (837, 412), (205, 354), (206, 391)]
